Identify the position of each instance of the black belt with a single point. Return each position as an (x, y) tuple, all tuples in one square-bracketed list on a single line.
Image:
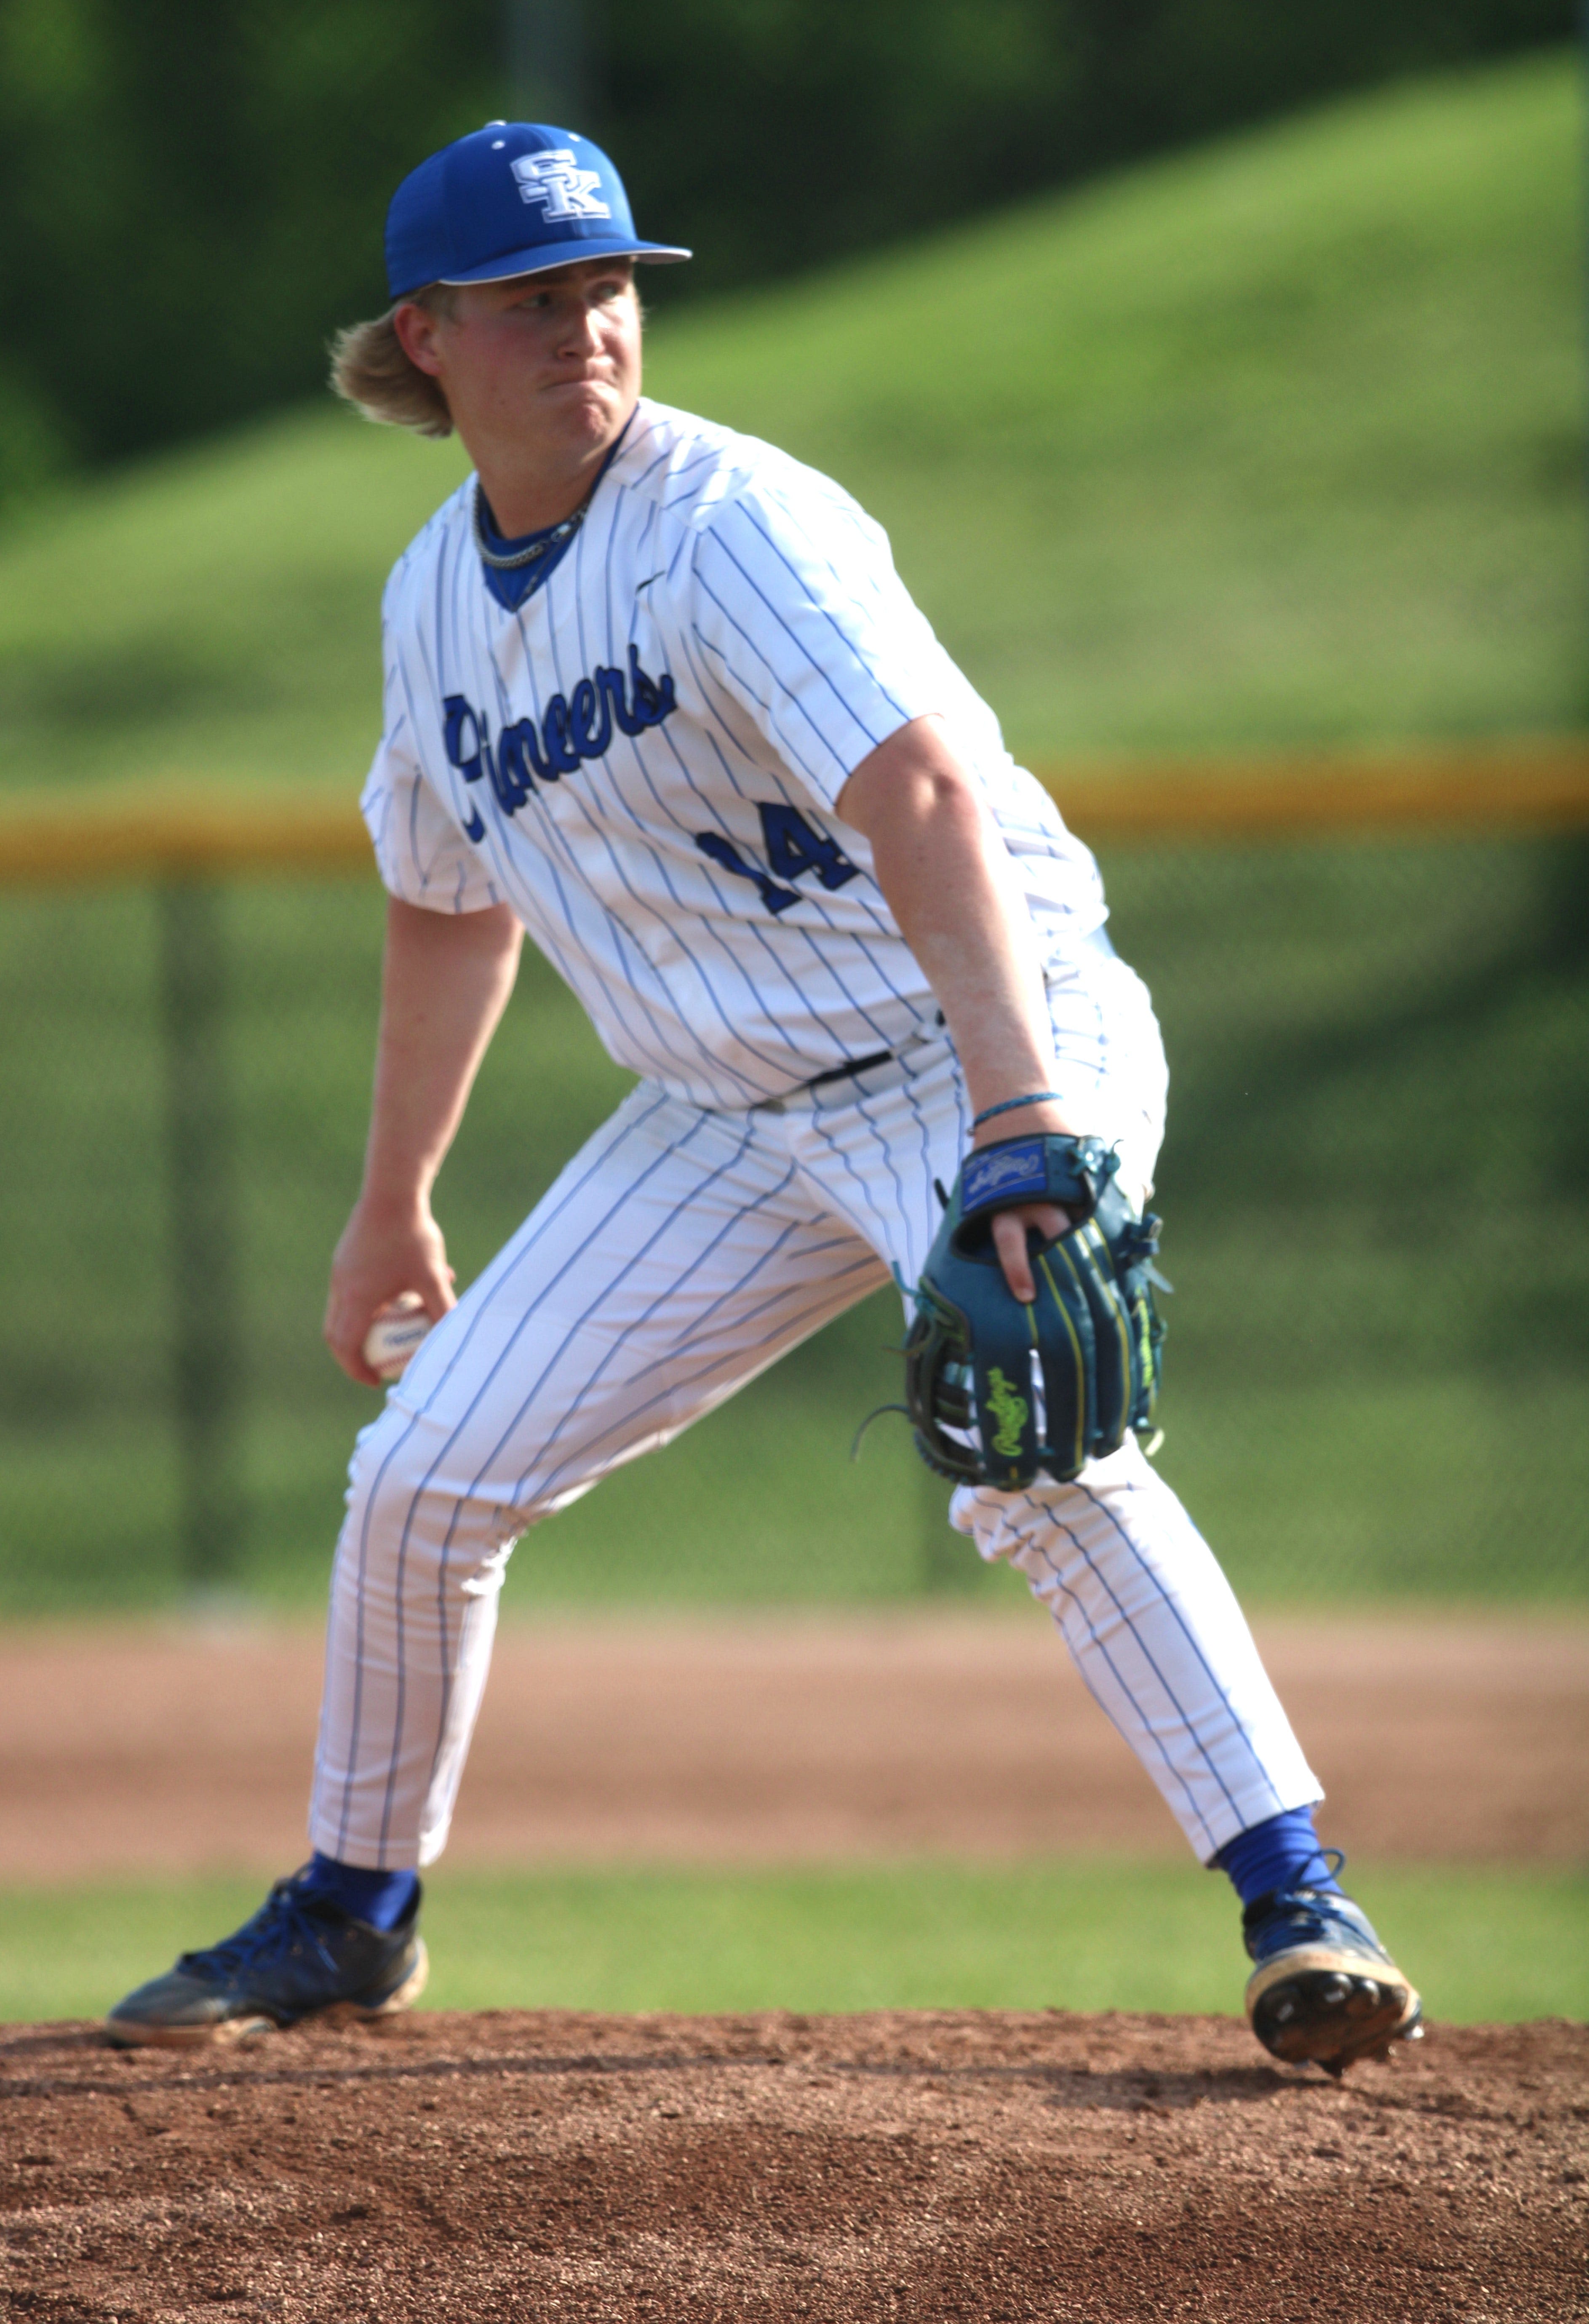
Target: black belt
[(857, 1065), (863, 1065), (847, 1071)]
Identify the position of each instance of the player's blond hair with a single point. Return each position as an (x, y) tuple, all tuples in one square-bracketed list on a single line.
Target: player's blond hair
[(370, 370)]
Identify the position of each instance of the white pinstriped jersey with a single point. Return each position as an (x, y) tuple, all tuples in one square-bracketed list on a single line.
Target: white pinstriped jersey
[(642, 762)]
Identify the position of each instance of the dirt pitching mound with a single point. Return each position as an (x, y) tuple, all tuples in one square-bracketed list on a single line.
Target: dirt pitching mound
[(750, 2170)]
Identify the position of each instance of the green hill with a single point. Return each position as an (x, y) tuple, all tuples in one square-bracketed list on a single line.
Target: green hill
[(1278, 441)]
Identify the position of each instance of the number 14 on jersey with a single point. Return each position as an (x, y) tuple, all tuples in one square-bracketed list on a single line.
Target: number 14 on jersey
[(794, 846)]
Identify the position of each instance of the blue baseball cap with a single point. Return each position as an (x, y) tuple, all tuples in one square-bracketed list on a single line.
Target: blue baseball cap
[(515, 197)]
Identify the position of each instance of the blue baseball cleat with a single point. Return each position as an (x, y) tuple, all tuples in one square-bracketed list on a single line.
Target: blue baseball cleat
[(1323, 1989), (299, 1954)]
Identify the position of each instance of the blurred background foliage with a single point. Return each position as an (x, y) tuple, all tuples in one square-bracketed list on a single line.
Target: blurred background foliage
[(1277, 440), (193, 189)]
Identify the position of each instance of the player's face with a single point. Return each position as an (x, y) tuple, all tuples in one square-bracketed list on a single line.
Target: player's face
[(551, 361)]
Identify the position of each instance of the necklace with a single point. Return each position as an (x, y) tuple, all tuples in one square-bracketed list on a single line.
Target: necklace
[(544, 546)]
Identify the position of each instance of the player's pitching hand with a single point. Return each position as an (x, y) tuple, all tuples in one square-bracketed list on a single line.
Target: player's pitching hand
[(382, 1255), (1009, 1231)]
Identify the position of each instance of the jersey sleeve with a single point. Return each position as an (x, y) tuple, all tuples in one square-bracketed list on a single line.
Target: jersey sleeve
[(421, 852), (799, 615)]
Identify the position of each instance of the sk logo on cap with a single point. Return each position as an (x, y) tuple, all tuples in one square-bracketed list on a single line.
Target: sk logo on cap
[(556, 180)]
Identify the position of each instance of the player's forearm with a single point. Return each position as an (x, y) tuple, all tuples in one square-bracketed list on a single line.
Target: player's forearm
[(445, 983), (949, 883)]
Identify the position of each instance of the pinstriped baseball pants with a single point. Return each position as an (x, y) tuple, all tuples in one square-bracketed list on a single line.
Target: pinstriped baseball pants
[(679, 1253)]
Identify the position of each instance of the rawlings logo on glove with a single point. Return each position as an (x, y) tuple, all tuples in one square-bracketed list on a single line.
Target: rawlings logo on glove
[(1009, 1410), (1013, 1174), (1001, 1392)]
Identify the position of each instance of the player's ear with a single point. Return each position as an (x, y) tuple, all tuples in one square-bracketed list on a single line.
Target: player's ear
[(416, 327)]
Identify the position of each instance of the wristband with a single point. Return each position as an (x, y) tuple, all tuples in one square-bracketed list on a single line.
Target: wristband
[(1011, 1104), (1041, 1167)]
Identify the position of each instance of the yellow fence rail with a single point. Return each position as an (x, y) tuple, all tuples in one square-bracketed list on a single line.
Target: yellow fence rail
[(182, 831)]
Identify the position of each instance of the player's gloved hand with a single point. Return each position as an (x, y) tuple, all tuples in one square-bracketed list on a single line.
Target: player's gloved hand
[(1013, 1231), (384, 1250), (1003, 1388), (1012, 1226)]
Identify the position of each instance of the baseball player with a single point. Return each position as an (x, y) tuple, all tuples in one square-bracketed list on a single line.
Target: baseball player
[(655, 694)]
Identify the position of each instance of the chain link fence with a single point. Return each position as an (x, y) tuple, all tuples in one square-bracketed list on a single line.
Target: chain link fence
[(1373, 1187)]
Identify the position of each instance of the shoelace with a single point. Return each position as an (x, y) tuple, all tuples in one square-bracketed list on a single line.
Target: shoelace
[(1333, 1870), (1311, 1916), (281, 1920)]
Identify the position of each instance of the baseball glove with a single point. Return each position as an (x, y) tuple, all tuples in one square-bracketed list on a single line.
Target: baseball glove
[(999, 1392)]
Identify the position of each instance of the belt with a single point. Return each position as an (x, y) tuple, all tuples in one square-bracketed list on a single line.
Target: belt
[(1097, 942), (846, 1072), (855, 1066)]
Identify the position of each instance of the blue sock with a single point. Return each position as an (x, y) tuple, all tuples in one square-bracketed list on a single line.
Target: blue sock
[(381, 1898), (1281, 1853)]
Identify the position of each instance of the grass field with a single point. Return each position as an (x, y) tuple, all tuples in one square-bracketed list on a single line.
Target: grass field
[(1483, 1945), (1274, 442)]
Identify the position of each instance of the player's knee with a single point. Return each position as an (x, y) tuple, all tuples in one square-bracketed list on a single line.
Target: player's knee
[(402, 1501)]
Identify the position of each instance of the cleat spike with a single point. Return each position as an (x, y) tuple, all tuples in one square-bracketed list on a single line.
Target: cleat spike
[(1323, 1990)]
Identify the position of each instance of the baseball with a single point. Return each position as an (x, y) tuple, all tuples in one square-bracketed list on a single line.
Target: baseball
[(394, 1334)]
